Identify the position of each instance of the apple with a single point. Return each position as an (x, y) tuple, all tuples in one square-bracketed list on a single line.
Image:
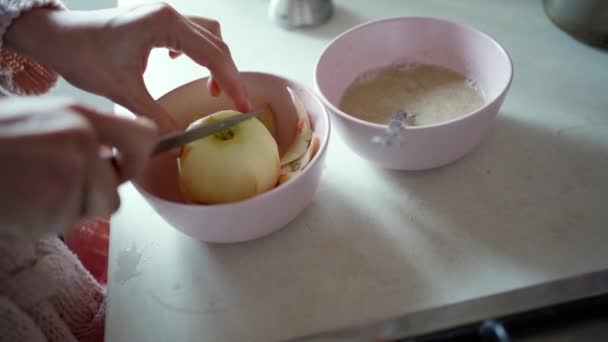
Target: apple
[(232, 165)]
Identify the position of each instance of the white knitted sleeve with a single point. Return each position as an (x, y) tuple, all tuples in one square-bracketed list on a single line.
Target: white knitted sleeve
[(20, 75), (45, 290), (16, 325)]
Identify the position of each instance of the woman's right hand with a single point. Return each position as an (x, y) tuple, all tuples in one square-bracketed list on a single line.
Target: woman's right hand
[(53, 173)]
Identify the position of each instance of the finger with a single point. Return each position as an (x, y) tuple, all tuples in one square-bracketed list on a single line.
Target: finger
[(211, 30), (203, 51), (204, 25), (136, 98), (207, 27), (101, 195), (174, 54), (215, 38), (211, 25), (133, 138), (214, 88), (81, 151)]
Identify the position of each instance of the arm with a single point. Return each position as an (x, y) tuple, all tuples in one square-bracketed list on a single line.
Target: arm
[(106, 51), (52, 173), (19, 74)]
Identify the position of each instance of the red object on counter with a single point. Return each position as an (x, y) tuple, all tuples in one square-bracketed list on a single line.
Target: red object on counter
[(90, 241)]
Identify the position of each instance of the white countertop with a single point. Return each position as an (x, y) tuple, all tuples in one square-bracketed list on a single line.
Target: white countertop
[(527, 206)]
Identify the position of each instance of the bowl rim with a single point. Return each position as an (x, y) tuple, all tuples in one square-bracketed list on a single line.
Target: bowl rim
[(259, 197), (340, 113)]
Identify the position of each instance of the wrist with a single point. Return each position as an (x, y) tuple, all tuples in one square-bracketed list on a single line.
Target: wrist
[(32, 34)]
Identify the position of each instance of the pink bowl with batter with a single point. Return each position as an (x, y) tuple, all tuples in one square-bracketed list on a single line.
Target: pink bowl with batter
[(415, 40), (259, 215)]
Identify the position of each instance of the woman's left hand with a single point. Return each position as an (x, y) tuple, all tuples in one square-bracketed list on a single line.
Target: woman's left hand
[(106, 51)]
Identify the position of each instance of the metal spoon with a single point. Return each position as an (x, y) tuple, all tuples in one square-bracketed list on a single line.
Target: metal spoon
[(394, 129)]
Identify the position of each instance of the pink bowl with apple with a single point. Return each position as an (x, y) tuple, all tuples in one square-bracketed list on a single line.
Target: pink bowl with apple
[(415, 40), (259, 215)]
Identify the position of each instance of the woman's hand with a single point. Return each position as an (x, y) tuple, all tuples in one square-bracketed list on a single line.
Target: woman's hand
[(105, 52), (53, 173)]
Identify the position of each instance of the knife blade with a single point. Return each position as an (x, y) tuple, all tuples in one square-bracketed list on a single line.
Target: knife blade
[(174, 140)]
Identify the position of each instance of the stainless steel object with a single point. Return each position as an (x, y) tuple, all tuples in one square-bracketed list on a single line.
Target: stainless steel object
[(409, 326), (585, 20), (174, 140), (300, 13), (394, 130)]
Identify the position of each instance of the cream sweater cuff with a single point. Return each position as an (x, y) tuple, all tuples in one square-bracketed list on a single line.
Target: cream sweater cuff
[(20, 75)]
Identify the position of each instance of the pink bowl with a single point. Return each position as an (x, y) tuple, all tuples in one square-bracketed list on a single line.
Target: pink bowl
[(415, 40), (254, 217)]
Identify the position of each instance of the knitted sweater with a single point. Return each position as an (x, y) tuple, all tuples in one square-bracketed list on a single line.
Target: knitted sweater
[(45, 292), (18, 74)]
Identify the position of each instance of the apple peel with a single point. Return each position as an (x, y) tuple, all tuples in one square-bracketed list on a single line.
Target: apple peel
[(292, 169), (303, 134), (268, 119), (304, 147)]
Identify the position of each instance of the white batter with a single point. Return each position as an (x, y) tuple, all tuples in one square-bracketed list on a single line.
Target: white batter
[(433, 93)]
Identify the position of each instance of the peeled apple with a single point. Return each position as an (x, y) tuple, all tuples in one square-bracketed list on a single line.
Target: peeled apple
[(232, 165)]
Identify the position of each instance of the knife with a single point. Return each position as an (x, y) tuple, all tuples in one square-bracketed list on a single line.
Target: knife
[(173, 140)]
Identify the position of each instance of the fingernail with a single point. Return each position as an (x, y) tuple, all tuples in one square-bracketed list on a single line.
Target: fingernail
[(174, 54), (215, 91), (176, 152), (145, 121)]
